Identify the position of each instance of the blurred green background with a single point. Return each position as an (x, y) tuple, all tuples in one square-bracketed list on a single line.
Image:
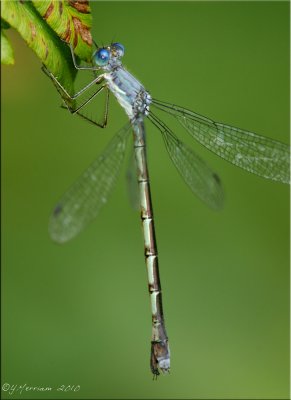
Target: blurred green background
[(79, 314)]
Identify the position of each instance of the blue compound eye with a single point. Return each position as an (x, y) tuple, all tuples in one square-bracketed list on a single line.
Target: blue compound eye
[(101, 57), (118, 48)]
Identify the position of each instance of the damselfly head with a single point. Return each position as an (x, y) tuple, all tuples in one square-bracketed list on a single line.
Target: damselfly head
[(117, 49), (103, 55)]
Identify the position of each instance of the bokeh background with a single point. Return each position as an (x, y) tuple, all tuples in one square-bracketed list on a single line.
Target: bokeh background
[(79, 314)]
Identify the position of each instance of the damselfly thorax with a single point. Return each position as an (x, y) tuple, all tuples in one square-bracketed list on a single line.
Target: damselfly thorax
[(129, 92)]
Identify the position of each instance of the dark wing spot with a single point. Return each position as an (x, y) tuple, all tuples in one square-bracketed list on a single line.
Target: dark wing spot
[(216, 177), (58, 209)]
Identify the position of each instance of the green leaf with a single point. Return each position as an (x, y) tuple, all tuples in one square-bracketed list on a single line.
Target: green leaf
[(4, 24), (41, 38), (72, 21), (7, 56)]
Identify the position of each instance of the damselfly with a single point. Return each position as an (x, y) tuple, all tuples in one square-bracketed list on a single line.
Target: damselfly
[(262, 156)]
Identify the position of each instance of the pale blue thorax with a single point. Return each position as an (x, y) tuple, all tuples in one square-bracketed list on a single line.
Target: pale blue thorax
[(128, 91)]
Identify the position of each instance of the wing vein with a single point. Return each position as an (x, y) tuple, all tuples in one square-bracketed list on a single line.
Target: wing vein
[(82, 201)]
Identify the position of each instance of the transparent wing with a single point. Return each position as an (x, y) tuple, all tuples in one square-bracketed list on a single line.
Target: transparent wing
[(83, 200), (257, 154), (203, 182)]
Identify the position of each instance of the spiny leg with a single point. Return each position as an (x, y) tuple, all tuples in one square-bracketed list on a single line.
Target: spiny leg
[(105, 120), (96, 80), (87, 67), (75, 110), (66, 98), (85, 117)]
